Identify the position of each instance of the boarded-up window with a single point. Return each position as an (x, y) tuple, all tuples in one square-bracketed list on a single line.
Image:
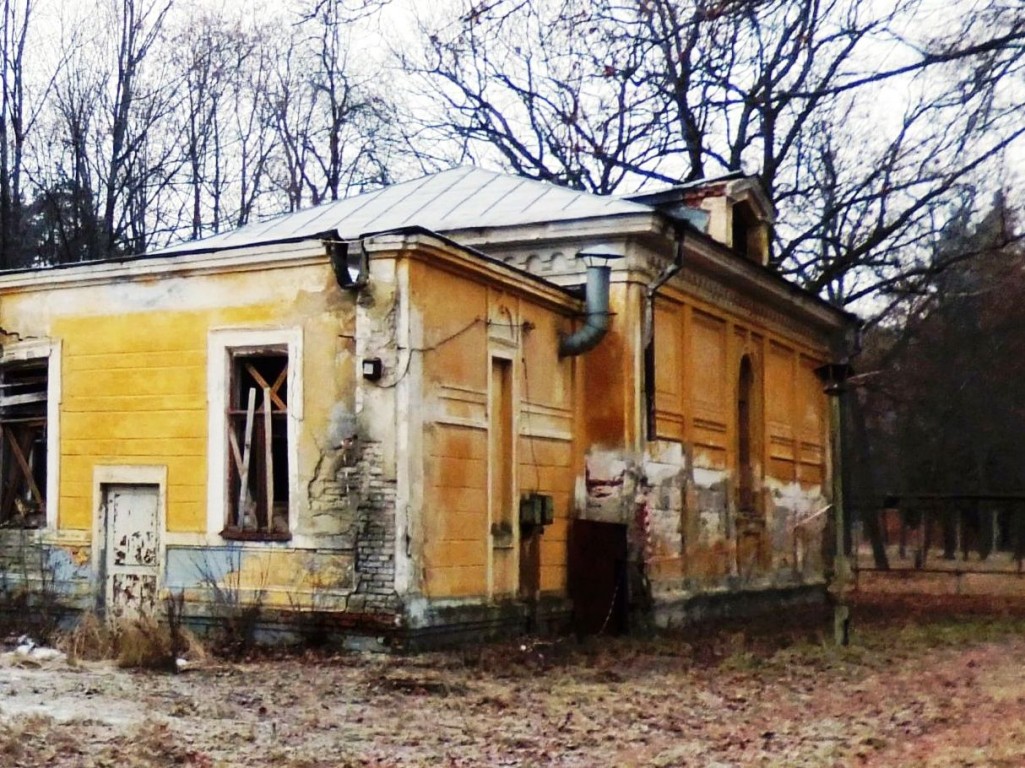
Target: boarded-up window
[(257, 423), (23, 400)]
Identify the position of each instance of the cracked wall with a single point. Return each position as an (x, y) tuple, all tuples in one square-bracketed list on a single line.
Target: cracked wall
[(717, 504), (134, 393), (682, 524)]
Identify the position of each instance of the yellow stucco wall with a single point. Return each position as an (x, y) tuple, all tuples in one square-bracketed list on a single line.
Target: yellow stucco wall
[(608, 374), (698, 352), (134, 392), (546, 449), (134, 371), (464, 324), (699, 349)]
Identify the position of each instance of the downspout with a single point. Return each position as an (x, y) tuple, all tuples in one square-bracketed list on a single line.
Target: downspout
[(834, 377), (349, 260), (596, 308), (666, 275)]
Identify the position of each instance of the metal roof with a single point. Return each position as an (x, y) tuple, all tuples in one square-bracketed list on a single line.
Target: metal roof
[(685, 185), (461, 198)]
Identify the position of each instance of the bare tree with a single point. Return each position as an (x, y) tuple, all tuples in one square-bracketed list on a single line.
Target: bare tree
[(254, 132), (19, 112), (334, 86), (65, 210), (136, 105), (109, 141), (558, 95), (333, 127), (12, 48), (163, 121), (215, 55), (228, 66), (293, 117), (787, 90)]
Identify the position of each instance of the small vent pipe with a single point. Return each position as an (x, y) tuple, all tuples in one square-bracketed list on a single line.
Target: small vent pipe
[(596, 300)]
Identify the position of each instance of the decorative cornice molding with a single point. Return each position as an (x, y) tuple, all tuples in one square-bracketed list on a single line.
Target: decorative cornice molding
[(440, 253), (744, 306)]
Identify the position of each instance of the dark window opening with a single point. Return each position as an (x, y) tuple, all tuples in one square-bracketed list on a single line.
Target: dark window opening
[(23, 405), (745, 232), (257, 424)]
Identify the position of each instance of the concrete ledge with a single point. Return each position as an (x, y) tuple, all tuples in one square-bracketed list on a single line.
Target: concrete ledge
[(442, 625), (677, 610)]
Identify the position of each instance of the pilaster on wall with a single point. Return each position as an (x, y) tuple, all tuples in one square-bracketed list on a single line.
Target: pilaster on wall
[(385, 415)]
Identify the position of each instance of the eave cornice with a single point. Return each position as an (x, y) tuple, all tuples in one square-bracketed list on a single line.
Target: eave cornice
[(441, 252), (258, 258), (705, 257)]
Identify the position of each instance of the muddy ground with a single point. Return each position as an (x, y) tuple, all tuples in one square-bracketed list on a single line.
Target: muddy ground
[(927, 681)]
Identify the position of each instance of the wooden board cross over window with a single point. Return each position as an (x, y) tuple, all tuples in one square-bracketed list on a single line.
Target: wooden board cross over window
[(23, 406), (257, 422)]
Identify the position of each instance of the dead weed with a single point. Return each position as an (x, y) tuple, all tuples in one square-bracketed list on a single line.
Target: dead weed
[(142, 642), (91, 639), (417, 685), (145, 643), (17, 737), (153, 744)]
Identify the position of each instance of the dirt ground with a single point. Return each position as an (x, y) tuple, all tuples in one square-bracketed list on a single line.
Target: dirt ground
[(927, 681)]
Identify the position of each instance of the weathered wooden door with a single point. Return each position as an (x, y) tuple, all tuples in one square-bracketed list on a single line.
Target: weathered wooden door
[(131, 548)]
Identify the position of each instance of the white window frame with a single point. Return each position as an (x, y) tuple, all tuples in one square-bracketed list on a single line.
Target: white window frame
[(49, 349), (222, 344)]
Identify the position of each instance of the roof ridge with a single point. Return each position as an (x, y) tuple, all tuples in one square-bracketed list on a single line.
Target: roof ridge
[(461, 197)]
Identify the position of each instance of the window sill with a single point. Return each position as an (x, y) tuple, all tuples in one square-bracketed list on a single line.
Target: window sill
[(234, 534), (14, 525)]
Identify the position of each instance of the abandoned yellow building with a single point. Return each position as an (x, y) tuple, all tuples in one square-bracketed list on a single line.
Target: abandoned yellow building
[(462, 404)]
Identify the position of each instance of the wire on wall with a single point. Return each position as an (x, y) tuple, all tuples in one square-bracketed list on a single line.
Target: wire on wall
[(530, 432), (523, 329), (429, 348)]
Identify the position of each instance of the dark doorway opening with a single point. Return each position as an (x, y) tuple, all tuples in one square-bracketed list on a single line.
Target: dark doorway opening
[(597, 577)]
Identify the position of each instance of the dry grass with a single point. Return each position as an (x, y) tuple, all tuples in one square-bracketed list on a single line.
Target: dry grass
[(149, 644), (152, 744), (143, 642), (926, 682), (90, 640), (17, 737)]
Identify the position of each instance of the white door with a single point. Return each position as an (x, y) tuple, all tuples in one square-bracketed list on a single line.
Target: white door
[(131, 548)]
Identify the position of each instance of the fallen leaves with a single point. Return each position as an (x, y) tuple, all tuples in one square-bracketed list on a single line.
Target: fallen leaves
[(908, 693)]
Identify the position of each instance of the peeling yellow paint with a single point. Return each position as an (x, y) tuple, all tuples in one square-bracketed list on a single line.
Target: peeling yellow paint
[(697, 364), (80, 556)]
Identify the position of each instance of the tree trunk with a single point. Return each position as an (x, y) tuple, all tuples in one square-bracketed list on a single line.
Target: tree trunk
[(863, 485)]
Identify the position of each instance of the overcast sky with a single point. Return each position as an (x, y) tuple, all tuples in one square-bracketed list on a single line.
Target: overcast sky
[(373, 39)]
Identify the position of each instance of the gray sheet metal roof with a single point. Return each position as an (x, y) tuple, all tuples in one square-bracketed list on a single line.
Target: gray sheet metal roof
[(461, 198)]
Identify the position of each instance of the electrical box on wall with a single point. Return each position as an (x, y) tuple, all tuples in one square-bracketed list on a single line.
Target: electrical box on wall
[(372, 368), (537, 509)]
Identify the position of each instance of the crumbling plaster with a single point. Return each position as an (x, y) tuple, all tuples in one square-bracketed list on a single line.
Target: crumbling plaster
[(682, 523)]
